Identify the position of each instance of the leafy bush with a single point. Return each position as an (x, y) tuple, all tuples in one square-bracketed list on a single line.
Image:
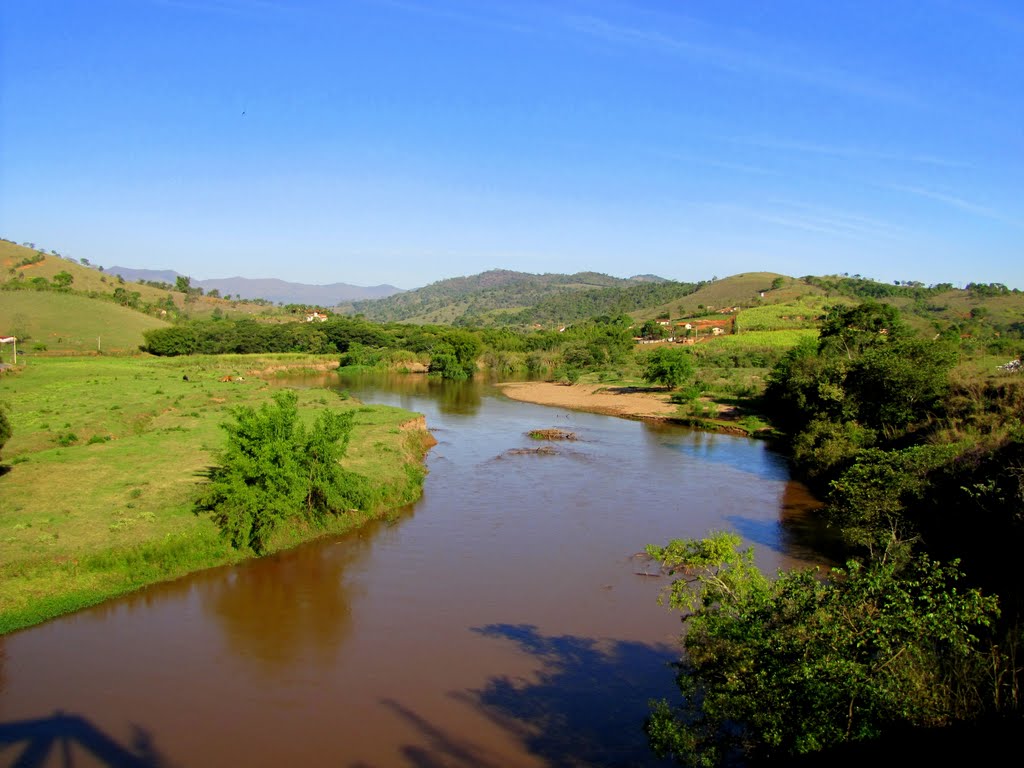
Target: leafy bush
[(67, 439), (670, 366), (776, 668), (274, 469)]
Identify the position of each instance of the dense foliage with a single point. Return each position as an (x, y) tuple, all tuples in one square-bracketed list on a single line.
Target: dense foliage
[(916, 468), (476, 295), (576, 306), (864, 288), (669, 366), (803, 662), (866, 380), (274, 469)]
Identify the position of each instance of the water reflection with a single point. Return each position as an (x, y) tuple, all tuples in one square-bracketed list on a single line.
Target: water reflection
[(355, 651), (462, 398), (745, 454), (290, 608)]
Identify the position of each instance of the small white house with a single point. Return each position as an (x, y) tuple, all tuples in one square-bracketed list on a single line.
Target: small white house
[(316, 317)]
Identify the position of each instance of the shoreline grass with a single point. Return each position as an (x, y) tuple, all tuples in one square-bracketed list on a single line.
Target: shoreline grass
[(99, 475)]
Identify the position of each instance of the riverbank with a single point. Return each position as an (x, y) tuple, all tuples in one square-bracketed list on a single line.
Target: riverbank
[(637, 402), (625, 401), (98, 478)]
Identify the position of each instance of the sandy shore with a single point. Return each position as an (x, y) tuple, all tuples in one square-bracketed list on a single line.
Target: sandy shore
[(630, 402)]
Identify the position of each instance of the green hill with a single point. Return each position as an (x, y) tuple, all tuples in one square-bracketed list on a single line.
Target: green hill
[(485, 299), (21, 264), (63, 322), (22, 267)]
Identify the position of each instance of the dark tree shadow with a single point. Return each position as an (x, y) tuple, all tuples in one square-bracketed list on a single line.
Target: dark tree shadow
[(588, 702), (442, 749), (32, 742)]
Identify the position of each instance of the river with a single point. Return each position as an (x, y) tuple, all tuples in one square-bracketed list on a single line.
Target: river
[(503, 620)]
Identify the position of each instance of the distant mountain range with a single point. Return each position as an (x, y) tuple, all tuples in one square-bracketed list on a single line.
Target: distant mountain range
[(270, 289)]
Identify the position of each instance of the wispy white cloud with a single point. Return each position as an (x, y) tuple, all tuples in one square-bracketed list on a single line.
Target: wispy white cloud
[(757, 58), (811, 218), (727, 165), (847, 152), (951, 200)]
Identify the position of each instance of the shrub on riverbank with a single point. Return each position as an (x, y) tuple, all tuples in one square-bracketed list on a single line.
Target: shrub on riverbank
[(90, 521)]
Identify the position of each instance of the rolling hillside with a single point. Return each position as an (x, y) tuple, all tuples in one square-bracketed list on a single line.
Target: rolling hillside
[(63, 322), (488, 298)]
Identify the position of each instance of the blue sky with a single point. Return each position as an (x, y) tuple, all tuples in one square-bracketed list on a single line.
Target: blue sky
[(406, 141)]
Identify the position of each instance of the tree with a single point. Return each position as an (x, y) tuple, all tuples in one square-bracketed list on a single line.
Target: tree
[(898, 383), (445, 363), (652, 329), (63, 279), (876, 500), (850, 330), (455, 353), (274, 469), (775, 668), (670, 366), (183, 284)]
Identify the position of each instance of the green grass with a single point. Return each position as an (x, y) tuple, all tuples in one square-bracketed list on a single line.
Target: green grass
[(771, 339), (777, 317), (88, 521), (88, 280), (69, 323)]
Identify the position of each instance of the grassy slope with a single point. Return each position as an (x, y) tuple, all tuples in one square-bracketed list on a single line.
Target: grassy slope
[(738, 290), (84, 278), (69, 323), (85, 522), (88, 279)]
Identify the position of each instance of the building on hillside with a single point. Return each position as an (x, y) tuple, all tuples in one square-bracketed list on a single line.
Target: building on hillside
[(316, 317)]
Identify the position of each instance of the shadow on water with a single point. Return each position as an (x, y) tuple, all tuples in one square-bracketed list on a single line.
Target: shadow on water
[(443, 750), (587, 703), (32, 742), (728, 450)]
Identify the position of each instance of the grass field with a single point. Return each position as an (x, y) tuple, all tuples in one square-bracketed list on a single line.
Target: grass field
[(755, 339), (98, 478), (777, 317), (67, 323)]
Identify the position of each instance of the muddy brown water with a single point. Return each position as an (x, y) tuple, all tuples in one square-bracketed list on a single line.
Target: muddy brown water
[(500, 621)]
